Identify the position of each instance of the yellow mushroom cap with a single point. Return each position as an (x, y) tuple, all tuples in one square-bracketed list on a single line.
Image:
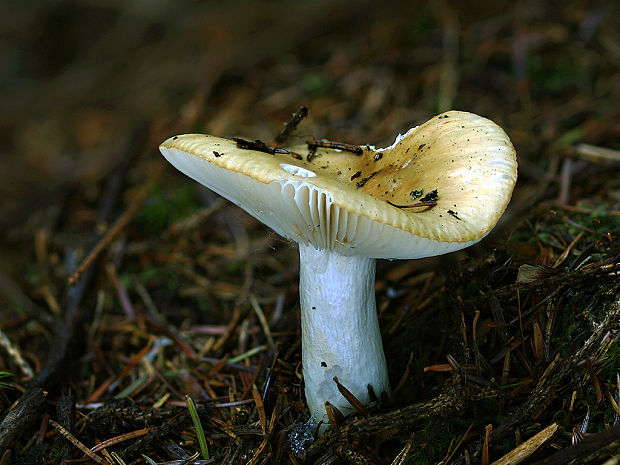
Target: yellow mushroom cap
[(362, 204)]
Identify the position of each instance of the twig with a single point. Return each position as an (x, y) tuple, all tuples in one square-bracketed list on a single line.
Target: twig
[(358, 429), (20, 418), (586, 211), (258, 145), (291, 125), (547, 283), (458, 445), (328, 144)]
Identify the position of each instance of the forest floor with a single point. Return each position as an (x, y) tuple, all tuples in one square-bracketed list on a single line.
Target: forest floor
[(125, 287)]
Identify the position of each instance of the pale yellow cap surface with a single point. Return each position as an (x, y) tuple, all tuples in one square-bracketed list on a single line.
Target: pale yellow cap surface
[(345, 202)]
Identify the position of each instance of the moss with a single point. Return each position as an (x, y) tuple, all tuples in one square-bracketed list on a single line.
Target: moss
[(163, 208), (435, 438), (554, 77)]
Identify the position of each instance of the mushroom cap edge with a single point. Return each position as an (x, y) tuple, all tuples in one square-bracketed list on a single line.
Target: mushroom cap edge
[(467, 158)]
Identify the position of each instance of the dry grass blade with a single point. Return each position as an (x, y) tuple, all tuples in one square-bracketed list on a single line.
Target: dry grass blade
[(262, 319), (227, 429), (121, 438), (552, 365), (523, 451), (446, 460), (538, 346), (595, 382), (506, 368), (126, 369), (76, 442), (15, 355), (402, 455), (117, 458), (614, 404), (261, 409), (485, 445), (334, 415), (474, 335), (567, 250), (405, 375), (265, 442), (354, 401)]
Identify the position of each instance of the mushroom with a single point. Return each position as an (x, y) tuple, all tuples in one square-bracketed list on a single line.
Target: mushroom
[(439, 188)]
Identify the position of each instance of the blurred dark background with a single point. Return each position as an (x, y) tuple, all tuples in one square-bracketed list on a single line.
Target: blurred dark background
[(80, 77)]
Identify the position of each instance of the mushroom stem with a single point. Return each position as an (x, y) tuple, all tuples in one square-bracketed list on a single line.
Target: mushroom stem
[(340, 329)]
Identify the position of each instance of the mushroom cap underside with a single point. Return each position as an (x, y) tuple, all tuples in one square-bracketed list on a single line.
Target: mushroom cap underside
[(441, 187)]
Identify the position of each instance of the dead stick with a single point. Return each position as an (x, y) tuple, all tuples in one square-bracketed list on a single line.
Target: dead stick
[(360, 429), (20, 418)]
